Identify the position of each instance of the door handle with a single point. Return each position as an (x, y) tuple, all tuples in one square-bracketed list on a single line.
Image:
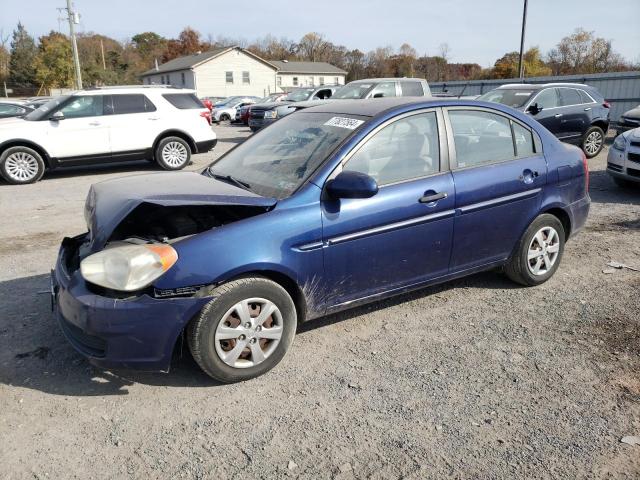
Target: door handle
[(154, 118), (528, 176), (558, 115), (94, 124), (433, 197), (587, 109)]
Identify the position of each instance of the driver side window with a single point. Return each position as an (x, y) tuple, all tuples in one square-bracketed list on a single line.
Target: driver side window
[(403, 150), (83, 106), (384, 89), (547, 98)]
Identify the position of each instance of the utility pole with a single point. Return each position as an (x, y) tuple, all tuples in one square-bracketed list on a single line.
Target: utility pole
[(74, 18), (104, 65), (524, 26)]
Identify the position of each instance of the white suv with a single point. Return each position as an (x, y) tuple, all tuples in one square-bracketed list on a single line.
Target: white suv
[(110, 124)]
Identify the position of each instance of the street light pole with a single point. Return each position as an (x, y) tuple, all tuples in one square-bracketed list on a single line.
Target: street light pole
[(74, 44), (524, 26)]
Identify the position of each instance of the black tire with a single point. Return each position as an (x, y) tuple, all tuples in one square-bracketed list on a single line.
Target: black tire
[(33, 170), (176, 156), (201, 331), (587, 137), (517, 267), (225, 117)]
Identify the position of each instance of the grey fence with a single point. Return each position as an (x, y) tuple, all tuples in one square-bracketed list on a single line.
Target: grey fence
[(621, 89)]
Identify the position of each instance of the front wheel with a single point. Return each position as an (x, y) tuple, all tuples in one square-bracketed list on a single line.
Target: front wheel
[(538, 253), (244, 331), (173, 153), (592, 142), (21, 165)]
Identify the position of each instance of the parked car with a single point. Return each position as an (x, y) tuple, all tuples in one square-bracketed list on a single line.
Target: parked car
[(383, 87), (334, 206), (101, 125), (623, 162), (273, 98), (36, 102), (10, 109), (629, 120), (226, 110), (573, 112), (263, 114)]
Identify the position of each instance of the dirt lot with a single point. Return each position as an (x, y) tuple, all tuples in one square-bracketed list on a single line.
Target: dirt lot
[(473, 379)]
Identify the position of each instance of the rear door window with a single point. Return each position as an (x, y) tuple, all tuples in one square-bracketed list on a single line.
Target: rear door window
[(569, 96), (183, 101), (585, 97), (131, 103), (411, 89), (481, 137)]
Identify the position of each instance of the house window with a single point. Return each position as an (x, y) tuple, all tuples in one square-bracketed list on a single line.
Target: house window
[(336, 80), (279, 81), (182, 78), (246, 79), (311, 81), (168, 79), (295, 81), (321, 80), (229, 77)]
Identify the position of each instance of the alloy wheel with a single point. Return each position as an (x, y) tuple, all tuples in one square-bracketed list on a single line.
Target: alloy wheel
[(593, 143), (21, 166), (543, 252), (248, 333), (174, 154)]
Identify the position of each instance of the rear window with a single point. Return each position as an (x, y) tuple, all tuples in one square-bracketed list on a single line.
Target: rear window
[(183, 101), (130, 103), (412, 89)]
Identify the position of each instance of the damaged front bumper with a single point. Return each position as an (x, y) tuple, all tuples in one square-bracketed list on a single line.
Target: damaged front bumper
[(138, 332)]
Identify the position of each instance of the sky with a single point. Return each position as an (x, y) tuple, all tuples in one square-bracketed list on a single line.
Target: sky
[(478, 31)]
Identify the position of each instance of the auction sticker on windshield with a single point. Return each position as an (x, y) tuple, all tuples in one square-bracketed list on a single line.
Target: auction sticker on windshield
[(344, 122)]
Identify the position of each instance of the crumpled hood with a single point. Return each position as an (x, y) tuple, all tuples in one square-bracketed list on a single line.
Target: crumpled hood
[(109, 202)]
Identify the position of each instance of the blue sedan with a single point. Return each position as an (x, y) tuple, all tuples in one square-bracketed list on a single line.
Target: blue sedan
[(335, 206)]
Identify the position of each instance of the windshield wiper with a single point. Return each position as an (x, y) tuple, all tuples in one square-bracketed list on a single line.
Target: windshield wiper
[(231, 179)]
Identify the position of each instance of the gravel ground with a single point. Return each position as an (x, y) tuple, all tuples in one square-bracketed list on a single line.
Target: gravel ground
[(476, 378)]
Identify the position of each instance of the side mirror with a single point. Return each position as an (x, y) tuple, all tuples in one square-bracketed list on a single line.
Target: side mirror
[(378, 95), (349, 184), (57, 116), (534, 109)]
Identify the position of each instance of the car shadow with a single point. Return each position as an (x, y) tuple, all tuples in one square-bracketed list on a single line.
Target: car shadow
[(603, 189), (38, 357)]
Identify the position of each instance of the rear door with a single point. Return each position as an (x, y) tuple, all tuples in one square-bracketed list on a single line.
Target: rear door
[(82, 133), (133, 123), (498, 175), (576, 116), (402, 235)]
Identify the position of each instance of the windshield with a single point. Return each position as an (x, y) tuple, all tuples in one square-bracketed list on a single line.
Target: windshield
[(277, 160), (45, 110), (512, 97), (355, 90), (299, 95)]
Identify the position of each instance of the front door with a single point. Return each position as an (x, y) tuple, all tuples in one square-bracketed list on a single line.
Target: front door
[(498, 176), (82, 132), (402, 235)]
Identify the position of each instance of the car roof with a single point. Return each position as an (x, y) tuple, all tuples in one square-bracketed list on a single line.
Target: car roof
[(371, 107), (388, 79), (164, 89), (540, 86)]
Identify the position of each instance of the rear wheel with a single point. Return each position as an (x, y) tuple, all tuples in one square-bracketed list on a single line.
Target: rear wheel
[(21, 165), (173, 153), (538, 253), (245, 331), (592, 142), (225, 117)]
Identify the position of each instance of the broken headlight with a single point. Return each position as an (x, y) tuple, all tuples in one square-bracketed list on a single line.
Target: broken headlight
[(128, 267)]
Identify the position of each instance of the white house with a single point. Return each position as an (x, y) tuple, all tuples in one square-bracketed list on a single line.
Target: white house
[(229, 71)]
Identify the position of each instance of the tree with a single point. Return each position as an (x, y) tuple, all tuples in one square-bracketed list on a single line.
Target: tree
[(188, 43), (91, 48), (312, 47), (583, 52), (53, 63), (23, 53), (507, 65)]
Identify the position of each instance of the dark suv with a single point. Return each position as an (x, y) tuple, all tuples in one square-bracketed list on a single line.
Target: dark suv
[(573, 112)]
